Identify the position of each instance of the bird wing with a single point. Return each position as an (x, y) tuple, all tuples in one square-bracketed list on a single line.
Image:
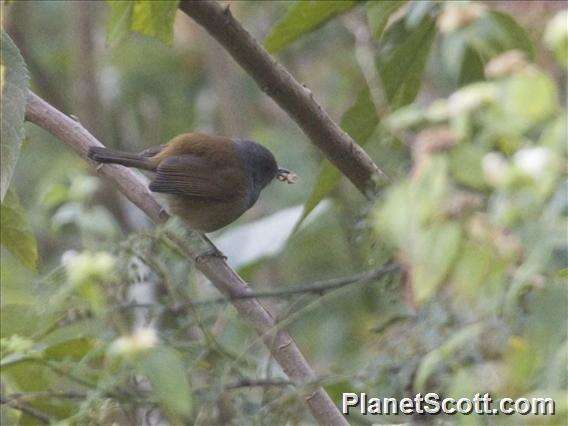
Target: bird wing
[(199, 177)]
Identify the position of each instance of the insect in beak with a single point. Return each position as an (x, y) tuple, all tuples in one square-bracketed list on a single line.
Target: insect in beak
[(285, 175)]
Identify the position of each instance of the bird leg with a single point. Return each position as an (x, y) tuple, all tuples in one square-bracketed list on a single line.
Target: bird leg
[(211, 252)]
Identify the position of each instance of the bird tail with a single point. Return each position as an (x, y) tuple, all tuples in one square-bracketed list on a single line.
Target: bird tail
[(105, 155)]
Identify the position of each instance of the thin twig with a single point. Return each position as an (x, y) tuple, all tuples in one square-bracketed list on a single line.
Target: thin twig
[(319, 287), (26, 409), (251, 383), (44, 394)]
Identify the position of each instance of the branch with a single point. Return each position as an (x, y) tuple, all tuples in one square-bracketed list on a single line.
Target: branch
[(26, 409), (319, 287), (279, 342), (294, 98)]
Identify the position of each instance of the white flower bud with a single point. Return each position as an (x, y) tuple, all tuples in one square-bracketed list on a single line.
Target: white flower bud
[(470, 98), (556, 36), (457, 16), (88, 266), (141, 340), (533, 161)]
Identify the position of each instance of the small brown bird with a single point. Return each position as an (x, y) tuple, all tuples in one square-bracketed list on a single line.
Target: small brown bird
[(209, 181)]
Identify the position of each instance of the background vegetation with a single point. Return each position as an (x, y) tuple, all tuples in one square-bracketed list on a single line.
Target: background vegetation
[(462, 104)]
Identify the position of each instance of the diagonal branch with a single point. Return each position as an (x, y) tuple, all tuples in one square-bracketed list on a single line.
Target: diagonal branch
[(294, 98), (279, 342)]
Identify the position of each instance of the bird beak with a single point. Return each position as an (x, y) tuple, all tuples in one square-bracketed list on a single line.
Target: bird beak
[(285, 175)]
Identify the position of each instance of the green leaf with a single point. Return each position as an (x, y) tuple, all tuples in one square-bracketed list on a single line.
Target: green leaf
[(119, 20), (15, 232), (530, 99), (402, 57), (150, 18), (472, 67), (432, 255), (168, 377), (467, 50), (75, 349), (14, 89), (465, 165), (19, 319), (304, 17), (496, 32), (378, 14), (155, 19), (433, 360), (359, 121)]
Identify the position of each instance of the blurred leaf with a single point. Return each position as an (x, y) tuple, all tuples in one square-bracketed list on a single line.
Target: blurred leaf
[(556, 37), (150, 18), (253, 241), (467, 50), (78, 329), (21, 320), (119, 20), (14, 90), (304, 17), (432, 255), (528, 99), (496, 32), (471, 67), (378, 14), (168, 377), (465, 165), (359, 121), (155, 19), (75, 349), (432, 361), (402, 57), (413, 204), (15, 232), (476, 261)]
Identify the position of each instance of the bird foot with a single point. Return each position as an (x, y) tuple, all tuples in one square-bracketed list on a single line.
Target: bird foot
[(163, 214), (212, 252)]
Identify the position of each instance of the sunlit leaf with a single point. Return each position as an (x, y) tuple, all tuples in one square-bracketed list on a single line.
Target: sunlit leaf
[(119, 20), (529, 98), (165, 370), (14, 89), (150, 18), (378, 14), (15, 232), (304, 17), (402, 57), (359, 121), (155, 19)]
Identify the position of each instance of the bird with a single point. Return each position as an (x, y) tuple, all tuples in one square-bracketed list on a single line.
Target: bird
[(209, 181)]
